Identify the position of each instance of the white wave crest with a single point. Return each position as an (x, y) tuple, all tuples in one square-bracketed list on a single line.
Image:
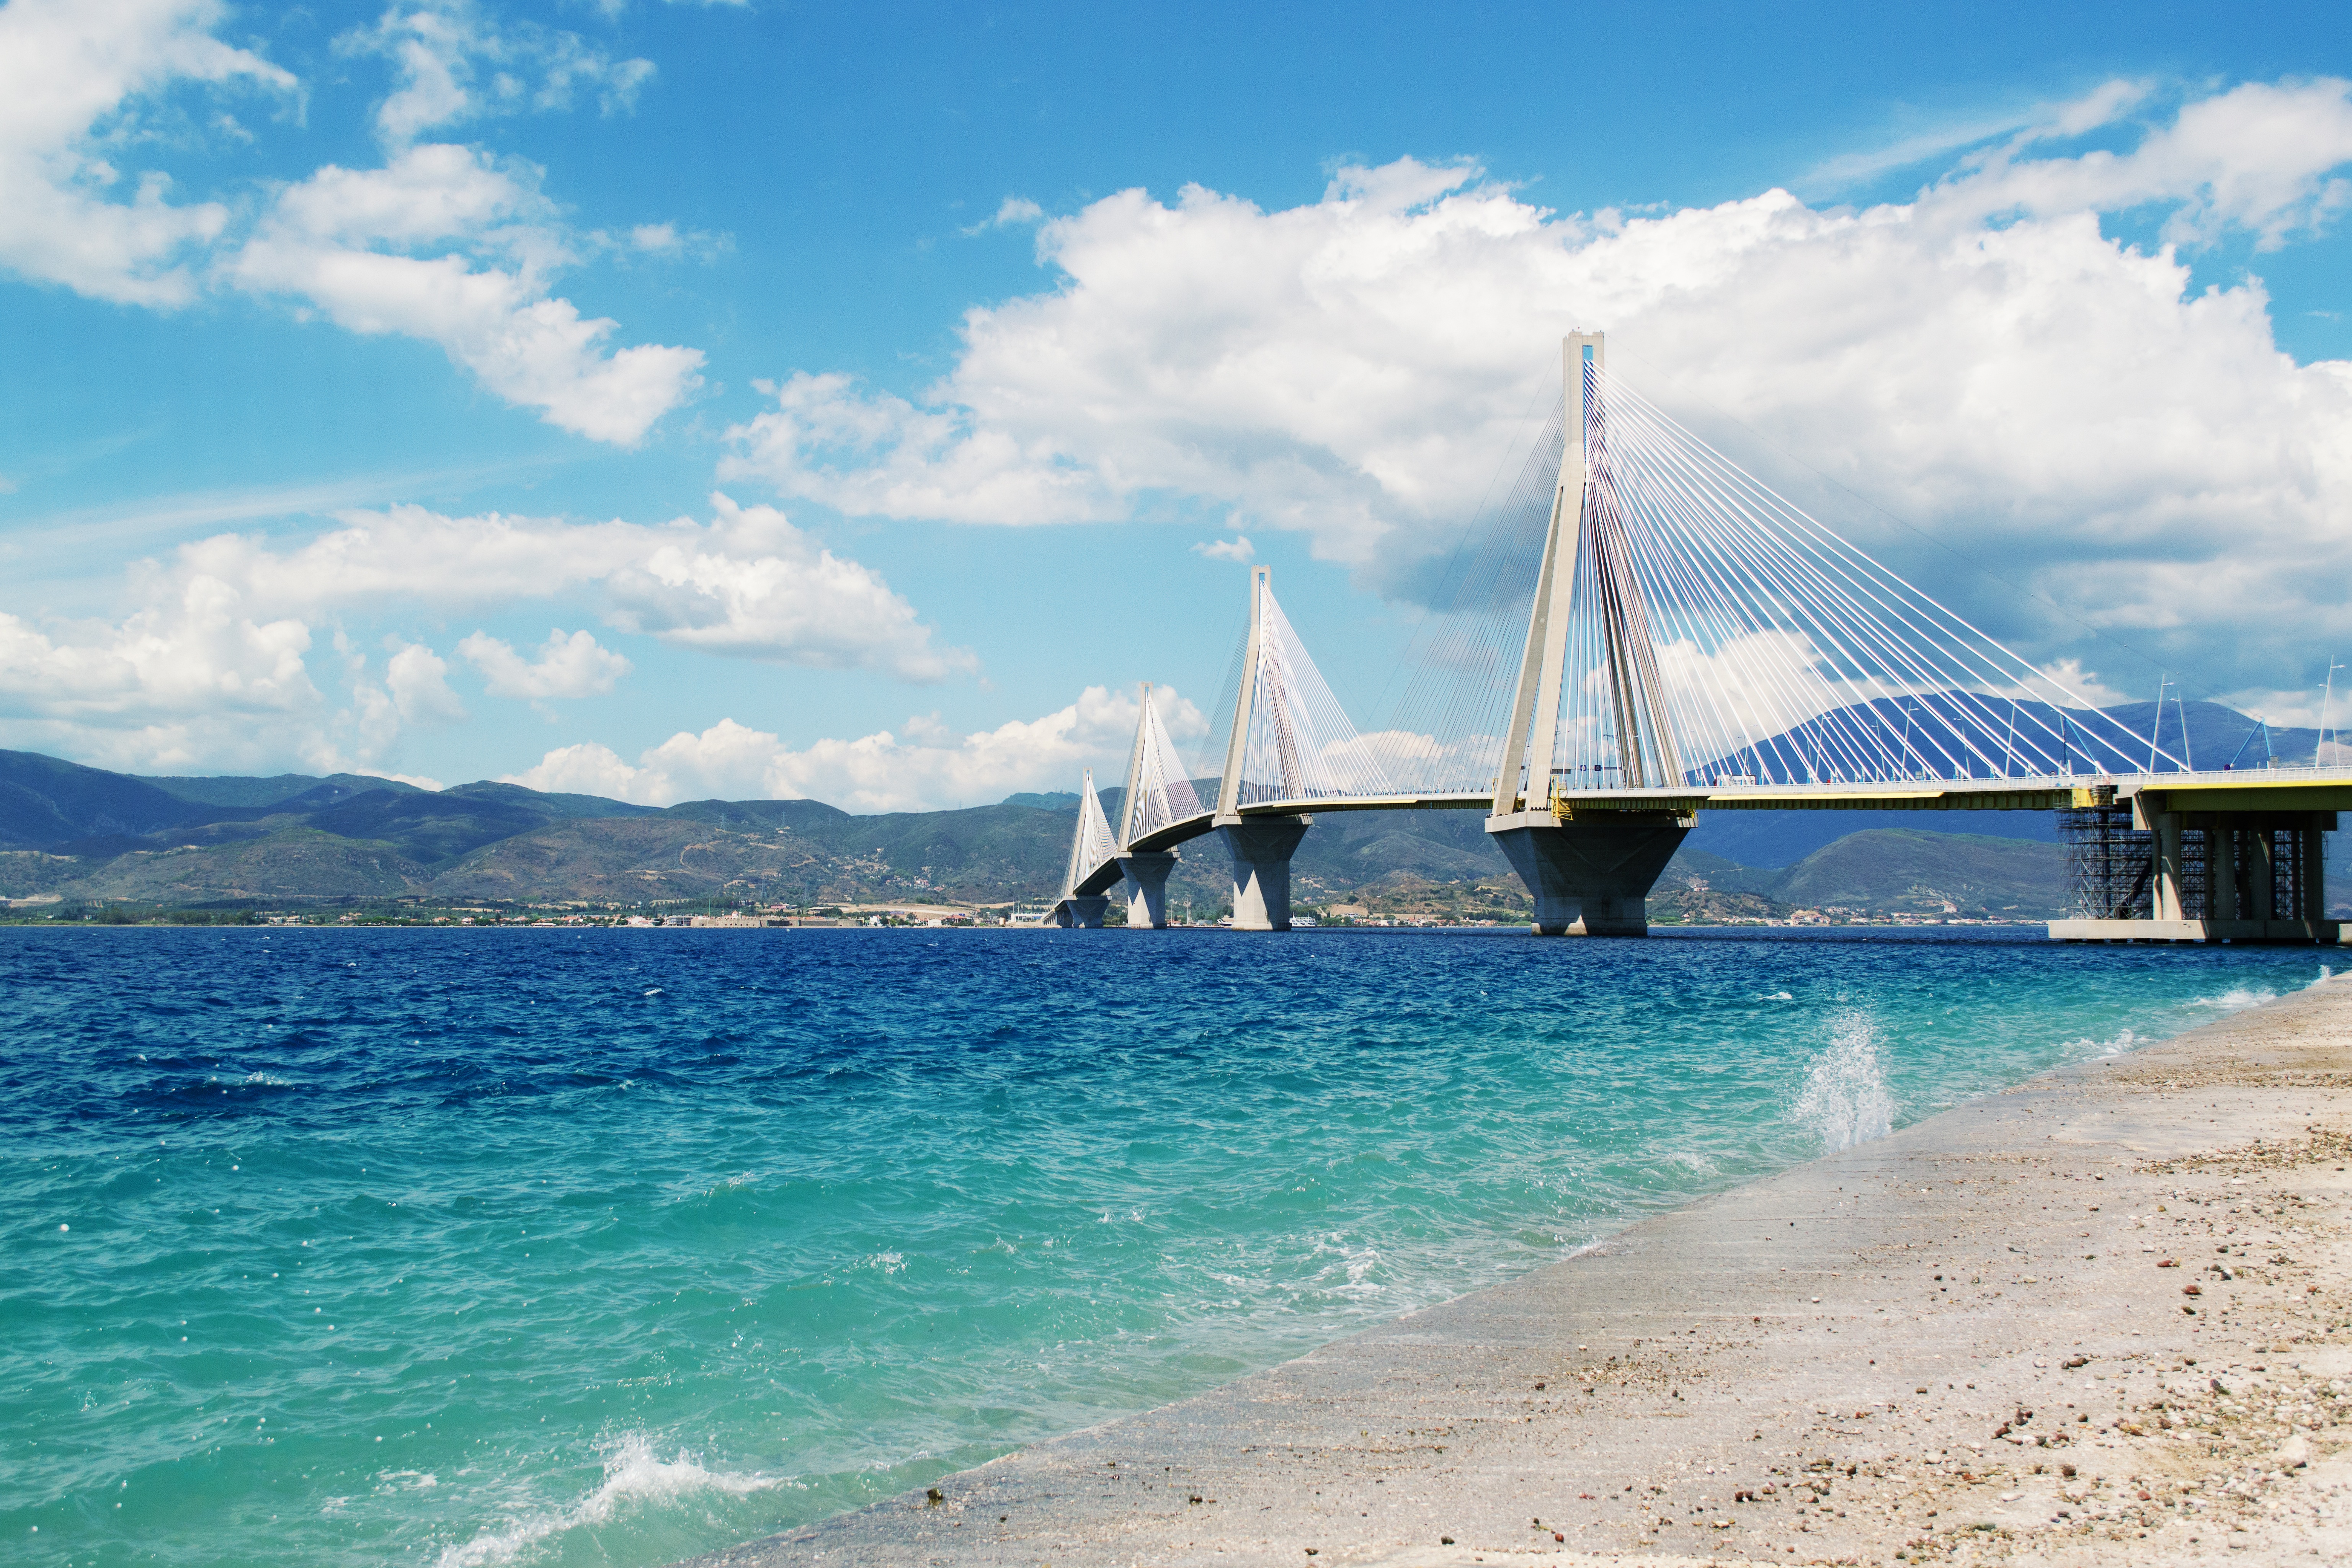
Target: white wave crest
[(1844, 1098), (1338, 1259), (2236, 998), (634, 1477), (2086, 1046)]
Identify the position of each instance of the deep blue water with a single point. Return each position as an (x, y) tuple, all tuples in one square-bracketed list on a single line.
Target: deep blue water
[(472, 1246)]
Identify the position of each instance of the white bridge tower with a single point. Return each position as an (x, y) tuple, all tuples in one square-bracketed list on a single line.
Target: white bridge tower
[(1589, 876)]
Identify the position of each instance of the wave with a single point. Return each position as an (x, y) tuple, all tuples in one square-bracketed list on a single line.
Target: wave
[(2237, 998), (1845, 1098), (2124, 1041), (634, 1477)]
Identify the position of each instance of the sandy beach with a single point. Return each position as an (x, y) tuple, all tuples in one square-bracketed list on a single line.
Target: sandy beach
[(2102, 1318)]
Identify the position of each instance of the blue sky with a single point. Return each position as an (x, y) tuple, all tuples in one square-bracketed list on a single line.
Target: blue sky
[(310, 449)]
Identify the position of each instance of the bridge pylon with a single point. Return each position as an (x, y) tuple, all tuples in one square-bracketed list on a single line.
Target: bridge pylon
[(1591, 872), (1146, 871), (1092, 864), (1261, 846)]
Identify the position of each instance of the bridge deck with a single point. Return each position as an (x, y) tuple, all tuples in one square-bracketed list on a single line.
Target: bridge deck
[(2253, 789)]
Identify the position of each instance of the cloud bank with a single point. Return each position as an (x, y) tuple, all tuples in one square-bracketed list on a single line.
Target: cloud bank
[(443, 243), (923, 768), (1984, 359), (223, 629)]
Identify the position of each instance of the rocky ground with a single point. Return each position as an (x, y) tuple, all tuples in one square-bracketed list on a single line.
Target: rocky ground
[(2105, 1318)]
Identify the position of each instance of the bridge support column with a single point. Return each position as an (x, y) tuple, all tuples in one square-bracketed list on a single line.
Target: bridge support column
[(1083, 911), (1261, 847), (2226, 876), (1147, 889), (2167, 903), (2222, 900), (1591, 877), (2313, 882)]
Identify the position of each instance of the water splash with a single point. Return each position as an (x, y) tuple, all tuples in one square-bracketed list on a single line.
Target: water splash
[(1844, 1098), (635, 1477), (2124, 1040), (2238, 997)]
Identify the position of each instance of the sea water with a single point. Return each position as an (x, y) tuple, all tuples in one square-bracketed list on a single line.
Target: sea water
[(568, 1246)]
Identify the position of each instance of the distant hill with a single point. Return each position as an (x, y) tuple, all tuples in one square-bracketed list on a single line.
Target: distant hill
[(79, 834), (1781, 838), (44, 801), (1899, 870), (1936, 730), (1879, 871), (232, 791)]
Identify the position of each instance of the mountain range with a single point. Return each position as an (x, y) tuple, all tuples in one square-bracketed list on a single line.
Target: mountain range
[(72, 837)]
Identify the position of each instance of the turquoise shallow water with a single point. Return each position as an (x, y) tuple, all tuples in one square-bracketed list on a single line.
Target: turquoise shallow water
[(608, 1246)]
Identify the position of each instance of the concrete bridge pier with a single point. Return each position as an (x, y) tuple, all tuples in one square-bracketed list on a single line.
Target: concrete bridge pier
[(1261, 847), (1147, 889), (1082, 910), (1592, 878)]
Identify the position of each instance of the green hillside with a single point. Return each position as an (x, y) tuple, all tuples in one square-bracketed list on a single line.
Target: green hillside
[(293, 865), (1902, 870), (72, 837)]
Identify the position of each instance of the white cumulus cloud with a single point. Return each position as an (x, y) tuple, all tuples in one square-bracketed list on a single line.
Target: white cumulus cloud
[(441, 243), (1011, 213), (220, 632), (1984, 360), (455, 62), (747, 584), (198, 647), (928, 767), (418, 681), (68, 213), (570, 665), (341, 240)]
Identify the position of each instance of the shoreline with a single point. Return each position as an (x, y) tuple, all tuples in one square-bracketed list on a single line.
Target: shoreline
[(1960, 1342)]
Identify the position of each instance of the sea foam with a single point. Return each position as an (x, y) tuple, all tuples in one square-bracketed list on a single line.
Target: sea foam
[(634, 1477), (2124, 1040), (1845, 1098)]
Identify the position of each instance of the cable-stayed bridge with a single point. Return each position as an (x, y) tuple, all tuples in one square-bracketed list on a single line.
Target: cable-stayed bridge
[(1645, 632)]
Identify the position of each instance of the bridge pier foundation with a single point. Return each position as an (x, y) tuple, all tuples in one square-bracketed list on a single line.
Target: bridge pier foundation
[(1591, 877), (1082, 911), (1261, 847), (2220, 875), (1147, 889)]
